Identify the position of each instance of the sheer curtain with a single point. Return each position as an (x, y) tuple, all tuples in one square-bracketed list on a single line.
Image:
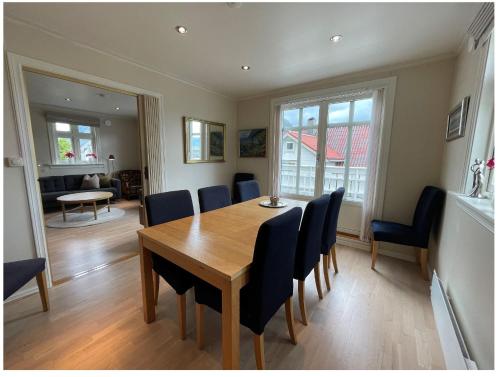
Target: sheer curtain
[(372, 176)]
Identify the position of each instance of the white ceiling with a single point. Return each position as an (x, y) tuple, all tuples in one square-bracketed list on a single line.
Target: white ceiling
[(52, 91), (284, 43)]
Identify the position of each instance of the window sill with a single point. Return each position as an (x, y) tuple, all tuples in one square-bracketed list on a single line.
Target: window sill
[(56, 166), (482, 210)]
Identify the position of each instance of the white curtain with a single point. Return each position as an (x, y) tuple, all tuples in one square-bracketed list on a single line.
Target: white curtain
[(372, 177), (275, 160)]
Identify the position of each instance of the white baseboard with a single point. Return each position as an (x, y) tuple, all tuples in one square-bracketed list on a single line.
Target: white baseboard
[(22, 293), (358, 244)]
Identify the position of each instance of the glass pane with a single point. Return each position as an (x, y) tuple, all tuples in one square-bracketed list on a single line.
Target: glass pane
[(310, 116), (86, 152), (358, 162), (64, 149), (335, 153), (338, 112), (195, 127), (63, 127), (308, 153), (84, 129), (288, 179), (363, 110), (291, 118)]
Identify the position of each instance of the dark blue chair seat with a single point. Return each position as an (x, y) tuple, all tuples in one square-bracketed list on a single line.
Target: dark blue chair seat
[(387, 231), (213, 197), (247, 190), (17, 274)]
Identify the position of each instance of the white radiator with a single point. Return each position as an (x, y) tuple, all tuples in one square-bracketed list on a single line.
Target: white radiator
[(454, 349)]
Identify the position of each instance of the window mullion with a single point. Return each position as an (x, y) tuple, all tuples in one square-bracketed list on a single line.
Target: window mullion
[(299, 146)]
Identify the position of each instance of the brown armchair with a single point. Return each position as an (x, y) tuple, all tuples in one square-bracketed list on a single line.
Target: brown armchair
[(131, 183)]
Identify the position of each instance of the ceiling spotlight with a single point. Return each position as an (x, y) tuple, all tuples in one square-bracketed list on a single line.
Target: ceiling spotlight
[(234, 5), (67, 99), (245, 67), (336, 38), (117, 108), (181, 29)]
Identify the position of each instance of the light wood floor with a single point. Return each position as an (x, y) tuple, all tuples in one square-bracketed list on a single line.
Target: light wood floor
[(73, 251), (370, 320)]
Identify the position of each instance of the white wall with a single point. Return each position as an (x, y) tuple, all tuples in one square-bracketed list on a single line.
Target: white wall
[(417, 138), (120, 139), (180, 99)]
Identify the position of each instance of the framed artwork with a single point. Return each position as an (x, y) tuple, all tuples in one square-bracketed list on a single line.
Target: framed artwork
[(253, 143), (457, 119), (216, 142)]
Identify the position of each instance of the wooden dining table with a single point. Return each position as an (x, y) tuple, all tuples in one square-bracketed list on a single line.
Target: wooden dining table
[(216, 246)]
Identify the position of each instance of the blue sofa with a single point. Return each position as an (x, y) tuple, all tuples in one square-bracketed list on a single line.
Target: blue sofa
[(57, 185)]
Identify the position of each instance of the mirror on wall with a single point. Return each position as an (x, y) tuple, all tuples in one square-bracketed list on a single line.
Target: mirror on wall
[(204, 141)]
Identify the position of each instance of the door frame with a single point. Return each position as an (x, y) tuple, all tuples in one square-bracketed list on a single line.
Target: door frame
[(16, 65)]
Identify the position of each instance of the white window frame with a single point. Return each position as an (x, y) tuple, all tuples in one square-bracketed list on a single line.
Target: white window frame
[(277, 104), (75, 137)]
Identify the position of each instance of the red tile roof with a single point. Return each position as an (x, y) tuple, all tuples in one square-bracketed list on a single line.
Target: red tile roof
[(311, 141)]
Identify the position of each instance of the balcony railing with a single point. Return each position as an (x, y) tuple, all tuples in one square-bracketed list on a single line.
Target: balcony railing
[(334, 178)]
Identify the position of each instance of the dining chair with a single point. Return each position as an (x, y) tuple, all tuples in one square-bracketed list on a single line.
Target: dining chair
[(213, 197), (309, 247), (270, 284), (329, 237), (429, 207), (240, 177), (162, 208), (247, 190)]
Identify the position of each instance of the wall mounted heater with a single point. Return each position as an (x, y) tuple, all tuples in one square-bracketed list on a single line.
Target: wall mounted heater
[(453, 345)]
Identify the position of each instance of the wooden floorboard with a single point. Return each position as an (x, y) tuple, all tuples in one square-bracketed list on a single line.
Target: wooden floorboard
[(370, 320), (74, 251)]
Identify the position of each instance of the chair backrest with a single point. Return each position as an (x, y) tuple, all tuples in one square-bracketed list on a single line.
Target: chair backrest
[(429, 206), (331, 219), (247, 190), (271, 273), (213, 197), (310, 236), (168, 206), (239, 177)]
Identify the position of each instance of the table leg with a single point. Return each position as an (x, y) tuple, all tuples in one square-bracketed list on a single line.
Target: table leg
[(64, 212), (148, 301), (231, 325), (95, 210), (109, 208)]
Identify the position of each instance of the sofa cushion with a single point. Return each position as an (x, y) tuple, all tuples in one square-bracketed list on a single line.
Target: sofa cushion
[(90, 182), (73, 182), (105, 181), (50, 184), (52, 196)]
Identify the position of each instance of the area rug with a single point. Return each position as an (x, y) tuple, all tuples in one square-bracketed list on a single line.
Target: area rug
[(76, 219)]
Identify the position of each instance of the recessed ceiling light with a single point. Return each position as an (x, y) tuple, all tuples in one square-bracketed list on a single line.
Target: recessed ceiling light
[(336, 38), (67, 99), (181, 29), (245, 67), (117, 108)]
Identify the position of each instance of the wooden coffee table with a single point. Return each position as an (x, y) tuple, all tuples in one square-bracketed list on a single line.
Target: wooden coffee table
[(83, 198)]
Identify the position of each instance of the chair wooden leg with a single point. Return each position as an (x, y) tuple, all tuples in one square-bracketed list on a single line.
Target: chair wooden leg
[(333, 257), (423, 263), (289, 319), (325, 271), (302, 303), (42, 288), (181, 314), (258, 345), (318, 281), (374, 253), (200, 340), (156, 280)]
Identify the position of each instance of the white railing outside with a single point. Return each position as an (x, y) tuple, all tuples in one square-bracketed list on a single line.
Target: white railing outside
[(334, 178)]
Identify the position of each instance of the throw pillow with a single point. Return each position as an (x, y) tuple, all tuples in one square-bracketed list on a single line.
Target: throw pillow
[(105, 181), (90, 182)]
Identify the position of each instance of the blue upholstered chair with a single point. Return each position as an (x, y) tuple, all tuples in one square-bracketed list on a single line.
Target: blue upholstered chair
[(309, 247), (214, 197), (240, 177), (17, 274), (270, 284), (330, 233), (428, 209), (247, 190), (161, 208)]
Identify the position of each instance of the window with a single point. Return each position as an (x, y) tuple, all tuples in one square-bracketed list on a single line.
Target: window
[(73, 143), (342, 136)]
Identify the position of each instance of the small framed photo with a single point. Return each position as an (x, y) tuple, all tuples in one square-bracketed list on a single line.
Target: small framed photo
[(253, 143), (457, 119)]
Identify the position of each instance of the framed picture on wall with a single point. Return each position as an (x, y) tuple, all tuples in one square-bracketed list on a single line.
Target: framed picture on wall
[(253, 143), (457, 119)]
